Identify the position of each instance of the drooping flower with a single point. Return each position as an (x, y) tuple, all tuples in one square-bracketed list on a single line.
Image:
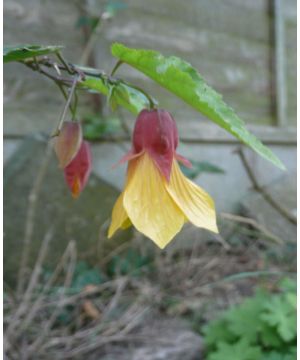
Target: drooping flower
[(158, 199), (78, 171), (68, 142)]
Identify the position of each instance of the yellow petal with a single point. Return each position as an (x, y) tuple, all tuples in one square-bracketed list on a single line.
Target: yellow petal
[(148, 204), (194, 202), (119, 218), (126, 224)]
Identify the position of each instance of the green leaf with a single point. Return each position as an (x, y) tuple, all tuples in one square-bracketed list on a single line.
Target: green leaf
[(90, 21), (244, 320), (274, 355), (288, 284), (218, 331), (129, 263), (291, 299), (112, 7), (94, 127), (86, 276), (119, 93), (23, 52), (180, 78), (241, 350), (200, 167), (280, 313), (270, 337), (111, 99)]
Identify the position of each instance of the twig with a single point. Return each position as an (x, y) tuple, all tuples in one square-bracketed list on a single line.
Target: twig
[(12, 330), (134, 321), (29, 225), (91, 42), (254, 223), (114, 301), (35, 66), (38, 302), (31, 309), (222, 241), (68, 279), (100, 341), (73, 110), (282, 210), (67, 105), (75, 299), (65, 63), (115, 252)]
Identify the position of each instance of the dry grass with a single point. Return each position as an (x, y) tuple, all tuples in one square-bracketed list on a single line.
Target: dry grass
[(193, 281)]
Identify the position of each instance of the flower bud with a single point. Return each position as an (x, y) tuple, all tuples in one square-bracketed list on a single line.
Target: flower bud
[(78, 171), (68, 142)]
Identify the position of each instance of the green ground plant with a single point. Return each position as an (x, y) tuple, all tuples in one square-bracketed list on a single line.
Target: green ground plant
[(261, 328)]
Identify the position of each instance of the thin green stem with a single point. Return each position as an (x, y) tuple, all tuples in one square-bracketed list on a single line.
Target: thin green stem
[(115, 68), (152, 102)]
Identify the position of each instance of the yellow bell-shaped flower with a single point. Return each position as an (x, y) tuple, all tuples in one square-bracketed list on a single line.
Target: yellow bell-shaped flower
[(158, 198)]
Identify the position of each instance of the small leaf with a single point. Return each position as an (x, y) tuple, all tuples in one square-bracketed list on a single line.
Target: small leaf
[(274, 355), (218, 331), (269, 336), (291, 299), (180, 78), (94, 127), (288, 284), (200, 167), (111, 99), (244, 320), (90, 21), (241, 350), (278, 312), (23, 52), (122, 94), (112, 7), (129, 263), (87, 277)]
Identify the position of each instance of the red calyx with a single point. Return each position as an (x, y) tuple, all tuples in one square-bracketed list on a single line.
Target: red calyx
[(156, 133)]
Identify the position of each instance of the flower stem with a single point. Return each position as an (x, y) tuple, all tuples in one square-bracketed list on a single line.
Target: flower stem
[(64, 112), (118, 64), (152, 102)]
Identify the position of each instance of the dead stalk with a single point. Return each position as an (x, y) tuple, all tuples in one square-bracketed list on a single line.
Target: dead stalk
[(269, 198), (29, 224)]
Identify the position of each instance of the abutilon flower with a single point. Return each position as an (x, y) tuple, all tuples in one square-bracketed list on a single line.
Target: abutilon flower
[(74, 156), (158, 199)]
